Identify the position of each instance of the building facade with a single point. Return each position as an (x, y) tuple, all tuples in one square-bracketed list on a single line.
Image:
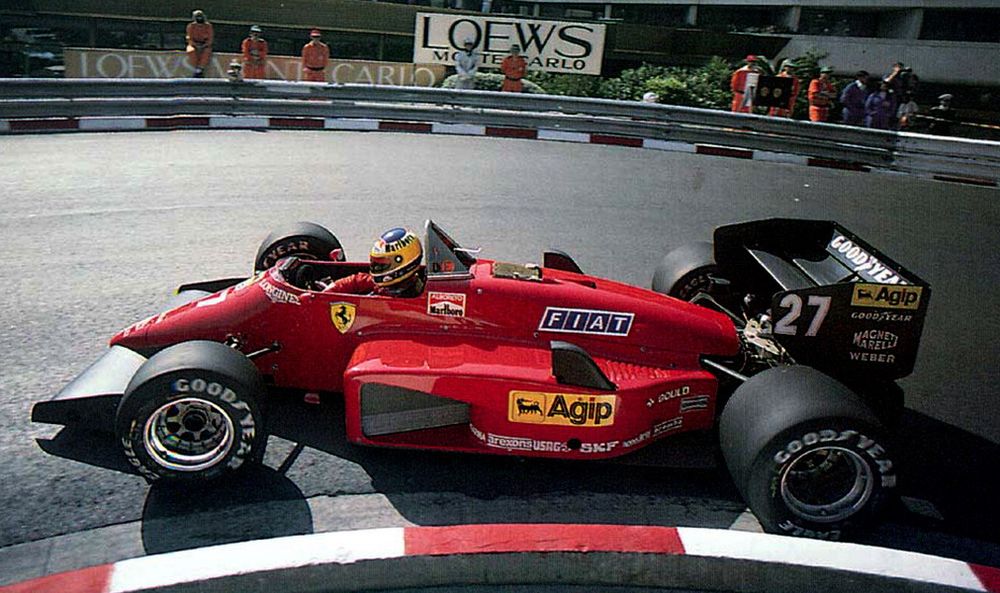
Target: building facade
[(947, 41)]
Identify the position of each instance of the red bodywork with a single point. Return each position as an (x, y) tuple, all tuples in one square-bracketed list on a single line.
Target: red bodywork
[(488, 359)]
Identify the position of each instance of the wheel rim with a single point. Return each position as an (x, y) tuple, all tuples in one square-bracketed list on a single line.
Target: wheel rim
[(188, 435), (698, 282), (827, 484)]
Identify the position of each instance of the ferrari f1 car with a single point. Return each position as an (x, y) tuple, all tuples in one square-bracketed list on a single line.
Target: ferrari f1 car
[(785, 336)]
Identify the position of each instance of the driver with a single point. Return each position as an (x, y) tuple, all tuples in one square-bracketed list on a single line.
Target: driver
[(395, 268)]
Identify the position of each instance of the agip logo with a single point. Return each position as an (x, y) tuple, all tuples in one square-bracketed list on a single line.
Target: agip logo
[(899, 296), (561, 409)]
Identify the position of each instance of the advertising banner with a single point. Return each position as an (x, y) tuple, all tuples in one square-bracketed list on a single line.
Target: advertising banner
[(134, 63), (551, 46)]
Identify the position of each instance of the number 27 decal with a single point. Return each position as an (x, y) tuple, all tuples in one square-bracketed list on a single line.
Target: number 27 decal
[(787, 324)]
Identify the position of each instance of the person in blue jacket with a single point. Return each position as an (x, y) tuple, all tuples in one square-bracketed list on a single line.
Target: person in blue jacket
[(853, 99), (879, 108)]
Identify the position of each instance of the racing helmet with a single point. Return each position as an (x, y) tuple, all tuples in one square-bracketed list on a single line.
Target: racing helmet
[(395, 258)]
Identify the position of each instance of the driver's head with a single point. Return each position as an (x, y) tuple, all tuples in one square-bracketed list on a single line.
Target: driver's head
[(395, 260)]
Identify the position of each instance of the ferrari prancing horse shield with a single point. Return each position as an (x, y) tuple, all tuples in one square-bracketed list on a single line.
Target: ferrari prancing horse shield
[(342, 315)]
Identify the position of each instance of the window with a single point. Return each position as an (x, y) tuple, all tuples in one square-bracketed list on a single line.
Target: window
[(961, 25), (838, 23)]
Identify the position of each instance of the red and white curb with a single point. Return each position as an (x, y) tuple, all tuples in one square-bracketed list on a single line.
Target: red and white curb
[(348, 547), (186, 122)]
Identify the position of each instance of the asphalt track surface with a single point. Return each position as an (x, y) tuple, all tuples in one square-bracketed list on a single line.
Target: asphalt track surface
[(99, 228)]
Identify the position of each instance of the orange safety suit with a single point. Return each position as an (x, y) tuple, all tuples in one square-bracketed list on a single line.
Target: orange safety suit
[(738, 84), (199, 44), (513, 68), (778, 111), (315, 59), (821, 93), (254, 57)]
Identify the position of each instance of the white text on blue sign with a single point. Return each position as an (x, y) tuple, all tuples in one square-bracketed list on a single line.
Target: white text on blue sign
[(586, 321)]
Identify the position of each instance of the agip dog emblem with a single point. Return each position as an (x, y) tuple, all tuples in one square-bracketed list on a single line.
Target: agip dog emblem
[(561, 409), (342, 316)]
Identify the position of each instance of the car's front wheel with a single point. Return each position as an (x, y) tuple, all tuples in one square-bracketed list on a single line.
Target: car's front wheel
[(304, 239), (192, 412)]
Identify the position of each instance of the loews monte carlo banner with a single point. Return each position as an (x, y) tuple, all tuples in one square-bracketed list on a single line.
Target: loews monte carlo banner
[(552, 46), (135, 63)]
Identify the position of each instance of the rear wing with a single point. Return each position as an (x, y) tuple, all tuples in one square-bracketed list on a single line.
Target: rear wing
[(837, 303)]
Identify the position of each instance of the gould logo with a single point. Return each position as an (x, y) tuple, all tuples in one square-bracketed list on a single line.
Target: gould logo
[(561, 409), (886, 297)]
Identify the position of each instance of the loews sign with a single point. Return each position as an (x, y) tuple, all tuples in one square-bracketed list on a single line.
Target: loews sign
[(131, 63), (552, 46)]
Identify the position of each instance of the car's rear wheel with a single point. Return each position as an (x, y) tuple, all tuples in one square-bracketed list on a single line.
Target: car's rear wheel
[(808, 456), (306, 239), (192, 412), (688, 271)]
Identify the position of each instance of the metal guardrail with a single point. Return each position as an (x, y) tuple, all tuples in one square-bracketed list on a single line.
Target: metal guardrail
[(24, 98)]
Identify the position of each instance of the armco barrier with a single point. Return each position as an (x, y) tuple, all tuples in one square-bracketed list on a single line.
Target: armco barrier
[(947, 158)]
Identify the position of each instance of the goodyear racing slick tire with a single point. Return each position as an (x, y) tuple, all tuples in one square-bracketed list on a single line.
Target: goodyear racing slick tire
[(686, 271), (808, 456), (192, 412), (300, 238)]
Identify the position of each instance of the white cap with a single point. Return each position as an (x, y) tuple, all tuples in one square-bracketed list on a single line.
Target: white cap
[(650, 97)]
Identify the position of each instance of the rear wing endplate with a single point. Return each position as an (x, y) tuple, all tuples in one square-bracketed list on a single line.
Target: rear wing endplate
[(837, 303)]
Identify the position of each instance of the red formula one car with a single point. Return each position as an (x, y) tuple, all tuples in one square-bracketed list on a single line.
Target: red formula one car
[(790, 345)]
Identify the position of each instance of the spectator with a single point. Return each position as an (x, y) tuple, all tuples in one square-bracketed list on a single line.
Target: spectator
[(235, 71), (880, 106), (852, 98), (942, 116), (901, 79), (199, 35), (743, 84), (466, 66), (254, 54), (787, 71), (907, 109), (821, 93), (514, 67), (315, 58)]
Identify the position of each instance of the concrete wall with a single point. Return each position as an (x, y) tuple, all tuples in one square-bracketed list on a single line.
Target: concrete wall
[(932, 61)]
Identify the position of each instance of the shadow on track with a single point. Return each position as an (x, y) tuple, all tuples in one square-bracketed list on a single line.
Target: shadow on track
[(951, 468), (255, 504)]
